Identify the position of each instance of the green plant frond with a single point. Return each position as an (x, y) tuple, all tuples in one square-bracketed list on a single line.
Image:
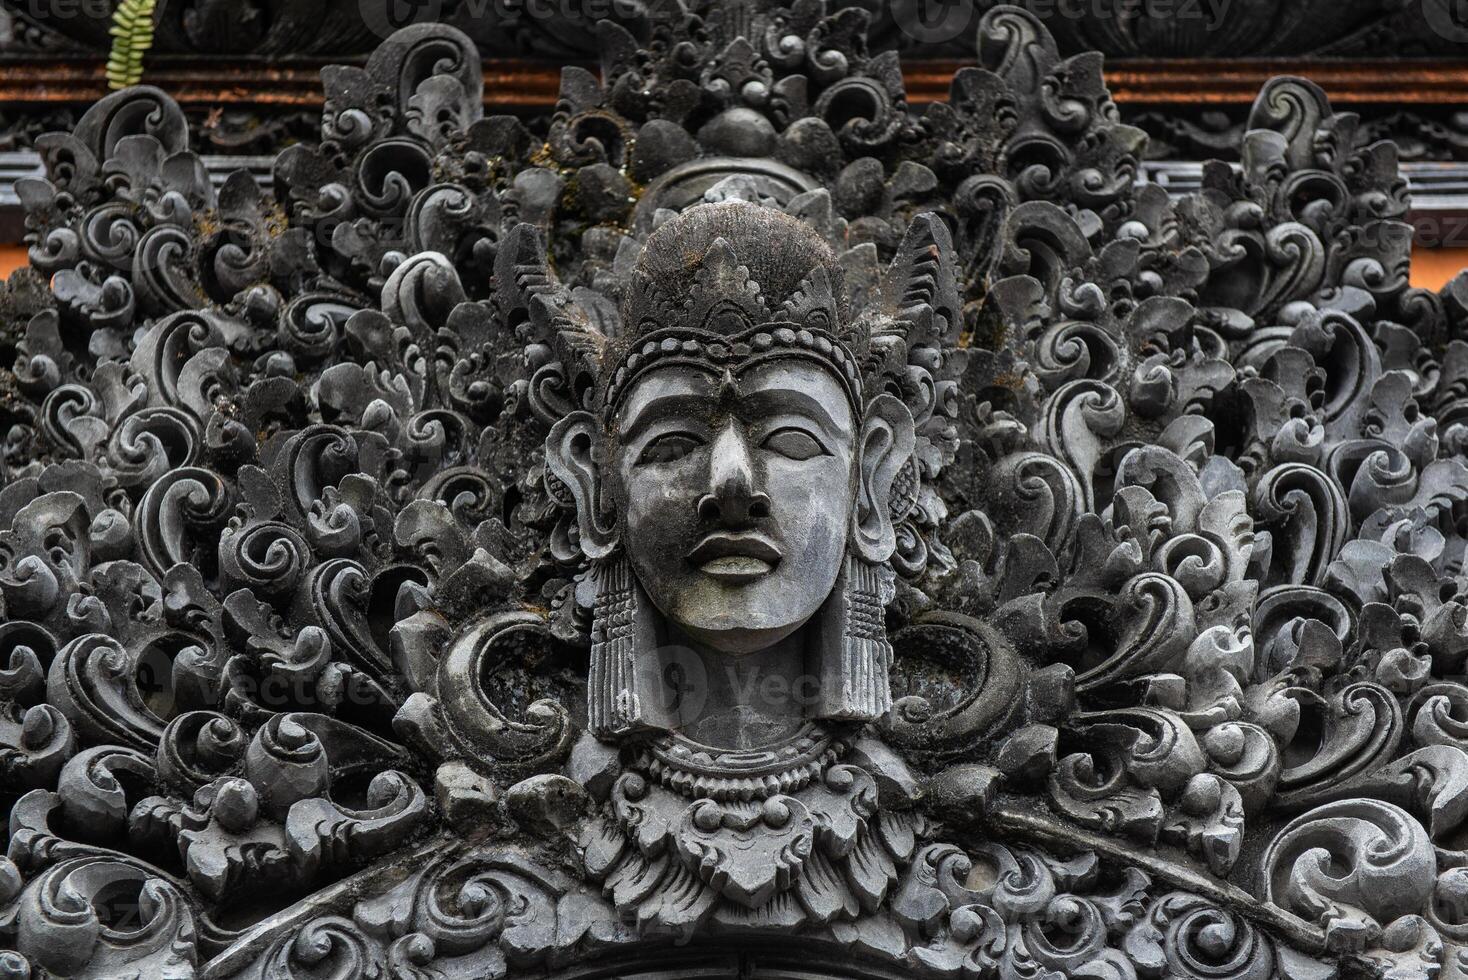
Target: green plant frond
[(132, 36)]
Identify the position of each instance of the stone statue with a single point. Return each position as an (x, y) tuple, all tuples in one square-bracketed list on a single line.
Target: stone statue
[(735, 487), (747, 525)]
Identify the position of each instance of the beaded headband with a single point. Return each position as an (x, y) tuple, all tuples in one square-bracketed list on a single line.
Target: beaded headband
[(716, 352)]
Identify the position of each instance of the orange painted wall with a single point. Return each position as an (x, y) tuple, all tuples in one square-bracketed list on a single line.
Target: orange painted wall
[(12, 257), (1431, 267)]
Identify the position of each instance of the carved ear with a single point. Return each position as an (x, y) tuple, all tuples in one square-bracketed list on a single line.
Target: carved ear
[(574, 453), (885, 445)]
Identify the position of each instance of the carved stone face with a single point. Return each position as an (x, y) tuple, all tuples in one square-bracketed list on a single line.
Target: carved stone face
[(737, 495)]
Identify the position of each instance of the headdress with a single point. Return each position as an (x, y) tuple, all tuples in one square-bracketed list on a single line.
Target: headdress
[(729, 285)]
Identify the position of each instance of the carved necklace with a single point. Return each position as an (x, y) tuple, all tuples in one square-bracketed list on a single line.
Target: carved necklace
[(699, 771)]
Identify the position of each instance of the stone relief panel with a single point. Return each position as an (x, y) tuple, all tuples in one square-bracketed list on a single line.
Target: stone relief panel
[(749, 514)]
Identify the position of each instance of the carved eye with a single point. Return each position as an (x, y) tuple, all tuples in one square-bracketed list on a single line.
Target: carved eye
[(668, 448), (794, 443)]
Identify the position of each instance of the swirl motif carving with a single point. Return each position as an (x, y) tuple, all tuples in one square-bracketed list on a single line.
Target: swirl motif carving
[(303, 645)]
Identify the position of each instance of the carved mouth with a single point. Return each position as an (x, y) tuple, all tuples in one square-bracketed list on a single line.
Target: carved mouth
[(735, 558)]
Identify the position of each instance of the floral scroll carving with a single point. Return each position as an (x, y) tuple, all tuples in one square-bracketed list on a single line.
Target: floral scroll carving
[(322, 651)]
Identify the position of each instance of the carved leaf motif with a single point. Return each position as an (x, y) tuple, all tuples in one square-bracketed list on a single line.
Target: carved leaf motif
[(747, 852), (1176, 571)]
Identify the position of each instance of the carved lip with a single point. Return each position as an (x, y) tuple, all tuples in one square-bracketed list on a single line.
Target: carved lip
[(735, 558)]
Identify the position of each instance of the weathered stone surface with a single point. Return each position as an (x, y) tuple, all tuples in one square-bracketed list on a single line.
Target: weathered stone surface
[(894, 534), (465, 797)]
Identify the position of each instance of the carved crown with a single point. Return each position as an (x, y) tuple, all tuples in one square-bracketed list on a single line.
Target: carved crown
[(730, 284)]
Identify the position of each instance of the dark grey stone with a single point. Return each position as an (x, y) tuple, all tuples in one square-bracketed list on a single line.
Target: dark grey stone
[(896, 539)]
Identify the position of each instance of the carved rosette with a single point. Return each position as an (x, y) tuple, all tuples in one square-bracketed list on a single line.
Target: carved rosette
[(297, 620)]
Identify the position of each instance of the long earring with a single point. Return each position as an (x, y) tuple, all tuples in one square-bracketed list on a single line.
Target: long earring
[(856, 657), (620, 627)]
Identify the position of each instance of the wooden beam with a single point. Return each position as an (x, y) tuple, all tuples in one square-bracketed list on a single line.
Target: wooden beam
[(524, 84), (235, 82), (1160, 82)]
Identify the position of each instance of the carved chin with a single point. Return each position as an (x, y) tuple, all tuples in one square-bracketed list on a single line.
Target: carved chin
[(726, 637), (742, 618)]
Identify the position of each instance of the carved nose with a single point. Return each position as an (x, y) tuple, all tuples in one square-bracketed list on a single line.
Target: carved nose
[(732, 499)]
